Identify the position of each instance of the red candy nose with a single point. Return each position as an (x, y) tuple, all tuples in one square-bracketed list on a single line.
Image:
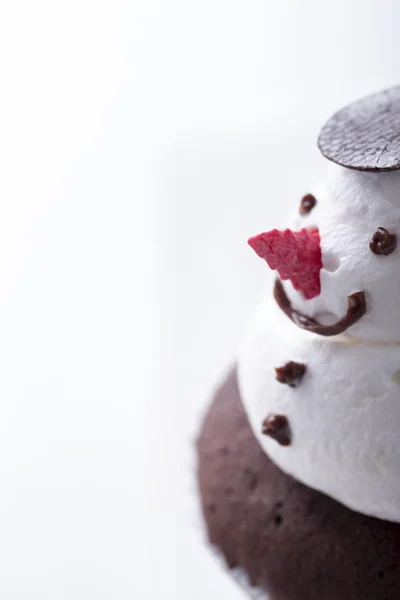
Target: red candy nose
[(296, 255)]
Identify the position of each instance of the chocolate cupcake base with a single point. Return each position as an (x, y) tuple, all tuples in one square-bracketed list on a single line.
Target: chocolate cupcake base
[(293, 542)]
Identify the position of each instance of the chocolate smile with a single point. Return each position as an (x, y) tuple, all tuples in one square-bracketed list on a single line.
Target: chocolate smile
[(355, 310)]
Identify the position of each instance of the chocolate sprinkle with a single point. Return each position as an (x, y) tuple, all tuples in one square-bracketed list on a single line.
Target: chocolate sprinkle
[(383, 242), (355, 310), (366, 134), (277, 427), (291, 373), (307, 204)]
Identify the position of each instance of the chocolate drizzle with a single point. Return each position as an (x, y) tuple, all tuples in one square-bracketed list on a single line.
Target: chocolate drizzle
[(291, 374), (277, 427), (383, 242), (355, 310), (307, 204)]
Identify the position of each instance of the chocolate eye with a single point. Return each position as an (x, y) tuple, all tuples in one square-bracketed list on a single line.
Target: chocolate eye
[(383, 242), (307, 204)]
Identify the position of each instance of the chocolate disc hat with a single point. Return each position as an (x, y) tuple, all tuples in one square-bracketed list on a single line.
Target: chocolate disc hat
[(366, 134)]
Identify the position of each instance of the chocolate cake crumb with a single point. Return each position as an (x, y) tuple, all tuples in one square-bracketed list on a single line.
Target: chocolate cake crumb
[(291, 373), (278, 520), (307, 204), (251, 479), (383, 242), (277, 427)]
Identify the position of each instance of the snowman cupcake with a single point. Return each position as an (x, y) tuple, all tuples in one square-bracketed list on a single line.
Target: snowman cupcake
[(299, 454)]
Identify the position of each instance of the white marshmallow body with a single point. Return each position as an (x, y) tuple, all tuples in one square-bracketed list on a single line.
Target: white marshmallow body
[(344, 416)]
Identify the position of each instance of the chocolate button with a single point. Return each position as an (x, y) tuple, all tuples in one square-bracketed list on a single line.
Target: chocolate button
[(383, 242), (307, 204), (277, 427), (291, 373)]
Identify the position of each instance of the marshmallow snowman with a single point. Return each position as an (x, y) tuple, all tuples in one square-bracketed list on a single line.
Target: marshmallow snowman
[(319, 369)]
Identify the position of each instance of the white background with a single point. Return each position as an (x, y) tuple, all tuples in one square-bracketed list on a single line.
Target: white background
[(141, 143)]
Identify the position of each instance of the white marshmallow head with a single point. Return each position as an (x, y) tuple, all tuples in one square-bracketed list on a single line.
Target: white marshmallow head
[(350, 207)]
